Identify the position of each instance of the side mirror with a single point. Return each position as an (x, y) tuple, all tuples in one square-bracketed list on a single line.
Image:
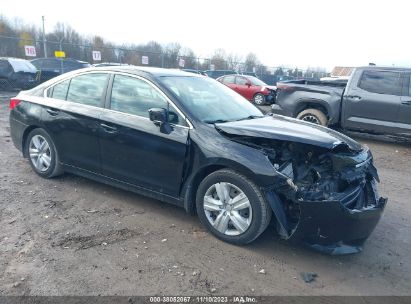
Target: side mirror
[(158, 115), (248, 83)]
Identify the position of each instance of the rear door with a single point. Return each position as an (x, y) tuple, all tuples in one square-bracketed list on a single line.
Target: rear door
[(373, 103), (133, 149), (229, 81), (74, 124)]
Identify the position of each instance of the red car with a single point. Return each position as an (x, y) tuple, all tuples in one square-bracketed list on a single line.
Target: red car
[(250, 87)]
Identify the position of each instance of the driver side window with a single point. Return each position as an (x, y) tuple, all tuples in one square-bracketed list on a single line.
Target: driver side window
[(135, 96)]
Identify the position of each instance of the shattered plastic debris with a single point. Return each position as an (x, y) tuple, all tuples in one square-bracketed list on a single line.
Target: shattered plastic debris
[(308, 277)]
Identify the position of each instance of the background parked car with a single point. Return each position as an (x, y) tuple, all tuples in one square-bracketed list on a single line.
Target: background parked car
[(250, 87), (375, 100), (52, 67), (218, 73), (17, 73)]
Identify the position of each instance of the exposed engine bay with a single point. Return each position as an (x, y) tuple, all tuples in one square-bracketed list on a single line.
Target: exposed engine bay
[(308, 173)]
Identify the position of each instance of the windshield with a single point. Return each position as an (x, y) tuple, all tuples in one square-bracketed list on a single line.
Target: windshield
[(255, 81), (209, 100)]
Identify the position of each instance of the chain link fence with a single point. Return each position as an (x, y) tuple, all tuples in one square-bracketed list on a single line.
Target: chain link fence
[(94, 54)]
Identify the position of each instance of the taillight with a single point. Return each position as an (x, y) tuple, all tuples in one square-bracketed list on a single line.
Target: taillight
[(14, 102)]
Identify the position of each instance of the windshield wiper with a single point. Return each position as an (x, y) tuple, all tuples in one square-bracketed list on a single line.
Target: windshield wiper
[(250, 117), (216, 121)]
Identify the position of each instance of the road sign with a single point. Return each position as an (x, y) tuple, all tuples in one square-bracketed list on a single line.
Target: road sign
[(181, 62), (96, 55), (212, 67), (59, 54), (144, 59), (30, 51)]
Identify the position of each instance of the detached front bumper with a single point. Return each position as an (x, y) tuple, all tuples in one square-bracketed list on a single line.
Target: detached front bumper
[(336, 226), (330, 227)]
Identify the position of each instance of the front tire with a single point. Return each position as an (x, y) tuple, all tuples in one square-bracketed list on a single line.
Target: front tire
[(232, 207), (42, 154), (259, 99), (314, 116)]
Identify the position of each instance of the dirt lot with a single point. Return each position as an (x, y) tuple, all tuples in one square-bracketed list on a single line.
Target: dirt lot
[(72, 236)]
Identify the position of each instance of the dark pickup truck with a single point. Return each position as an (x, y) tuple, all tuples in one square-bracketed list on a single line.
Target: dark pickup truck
[(375, 100)]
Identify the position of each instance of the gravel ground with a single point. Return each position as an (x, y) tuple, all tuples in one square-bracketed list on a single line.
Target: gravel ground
[(73, 236)]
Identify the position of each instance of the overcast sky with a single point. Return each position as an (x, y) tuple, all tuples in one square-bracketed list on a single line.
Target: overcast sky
[(290, 32)]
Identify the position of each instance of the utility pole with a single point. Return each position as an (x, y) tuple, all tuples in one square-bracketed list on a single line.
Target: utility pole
[(44, 40)]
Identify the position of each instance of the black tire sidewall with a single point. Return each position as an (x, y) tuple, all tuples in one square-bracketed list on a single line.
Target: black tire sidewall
[(49, 172), (249, 190)]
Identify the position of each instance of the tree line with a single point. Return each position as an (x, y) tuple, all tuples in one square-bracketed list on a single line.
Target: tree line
[(14, 35)]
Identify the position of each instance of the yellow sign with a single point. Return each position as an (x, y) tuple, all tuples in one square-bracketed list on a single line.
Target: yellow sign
[(59, 54)]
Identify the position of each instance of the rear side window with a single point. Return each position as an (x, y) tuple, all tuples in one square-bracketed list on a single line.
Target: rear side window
[(381, 82), (60, 90), (229, 79), (87, 89)]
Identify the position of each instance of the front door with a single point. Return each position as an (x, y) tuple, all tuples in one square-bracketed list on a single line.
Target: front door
[(133, 149), (243, 88), (374, 103)]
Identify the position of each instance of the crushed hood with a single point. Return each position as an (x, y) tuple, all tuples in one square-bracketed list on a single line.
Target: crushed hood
[(288, 129)]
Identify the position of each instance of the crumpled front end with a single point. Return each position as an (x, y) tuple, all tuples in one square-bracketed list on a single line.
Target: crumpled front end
[(326, 198)]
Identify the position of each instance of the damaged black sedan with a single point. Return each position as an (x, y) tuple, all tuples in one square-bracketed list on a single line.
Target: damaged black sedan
[(191, 141)]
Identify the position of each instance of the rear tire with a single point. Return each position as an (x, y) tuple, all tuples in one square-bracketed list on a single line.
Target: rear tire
[(42, 154), (240, 216), (314, 116)]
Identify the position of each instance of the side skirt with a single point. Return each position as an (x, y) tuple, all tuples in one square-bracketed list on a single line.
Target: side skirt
[(123, 185)]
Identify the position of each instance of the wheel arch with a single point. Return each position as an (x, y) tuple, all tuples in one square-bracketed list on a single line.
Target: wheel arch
[(312, 103), (24, 138), (193, 182)]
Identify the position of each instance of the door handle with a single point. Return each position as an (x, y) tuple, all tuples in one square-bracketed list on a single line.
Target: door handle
[(407, 102), (108, 129), (53, 112)]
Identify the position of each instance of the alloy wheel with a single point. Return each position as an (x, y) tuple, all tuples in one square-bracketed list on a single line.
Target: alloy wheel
[(227, 209), (40, 153), (259, 99), (311, 118)]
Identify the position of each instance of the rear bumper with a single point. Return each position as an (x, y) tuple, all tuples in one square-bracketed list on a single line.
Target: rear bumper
[(16, 132)]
